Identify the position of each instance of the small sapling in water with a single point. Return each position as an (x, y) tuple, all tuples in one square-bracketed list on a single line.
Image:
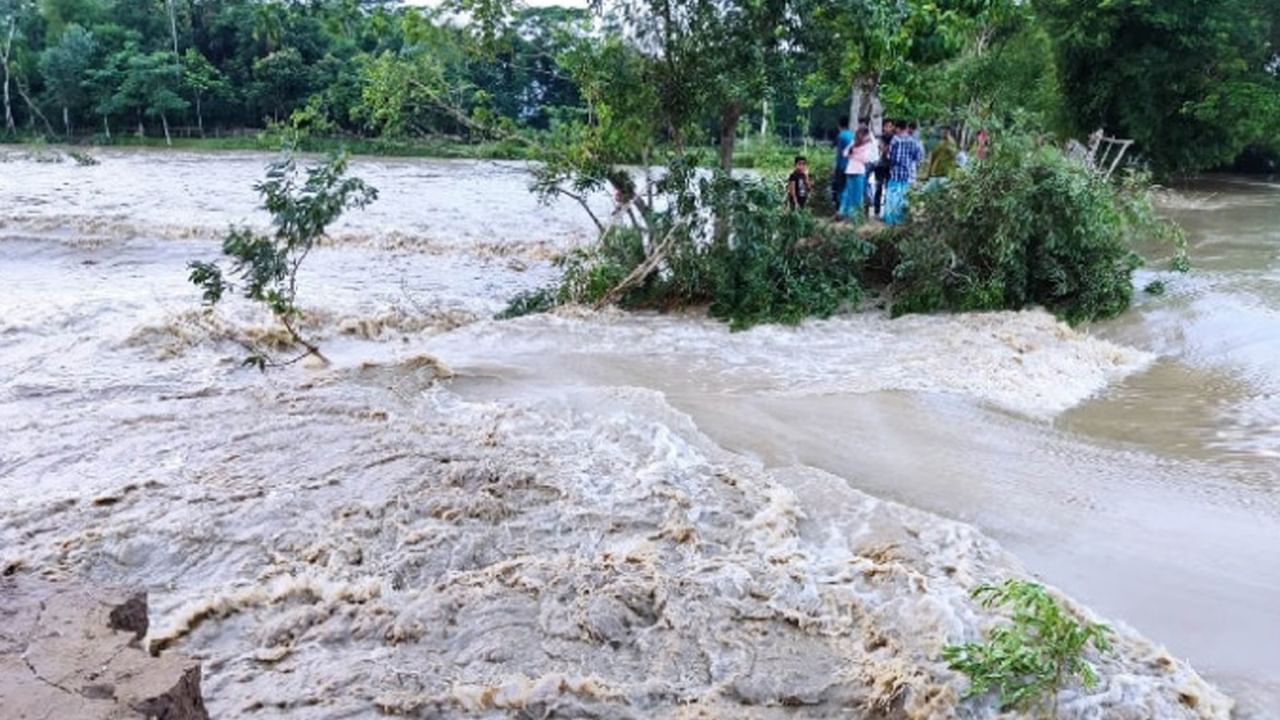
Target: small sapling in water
[(264, 268)]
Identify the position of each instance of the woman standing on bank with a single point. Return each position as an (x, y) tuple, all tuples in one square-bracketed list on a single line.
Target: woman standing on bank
[(861, 153)]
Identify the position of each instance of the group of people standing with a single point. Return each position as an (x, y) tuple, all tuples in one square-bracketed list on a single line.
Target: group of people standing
[(873, 174)]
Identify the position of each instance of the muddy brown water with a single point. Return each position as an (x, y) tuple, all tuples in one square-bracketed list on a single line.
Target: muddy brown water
[(1135, 464)]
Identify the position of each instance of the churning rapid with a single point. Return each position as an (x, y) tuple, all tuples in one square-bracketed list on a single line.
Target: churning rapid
[(598, 514)]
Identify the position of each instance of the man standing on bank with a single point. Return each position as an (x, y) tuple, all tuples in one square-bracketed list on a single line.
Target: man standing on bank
[(843, 140)]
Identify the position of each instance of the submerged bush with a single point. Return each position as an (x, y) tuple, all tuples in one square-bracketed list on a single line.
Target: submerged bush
[(1028, 661), (1028, 226), (728, 244)]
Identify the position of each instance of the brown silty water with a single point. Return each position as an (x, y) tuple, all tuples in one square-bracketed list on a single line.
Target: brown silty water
[(335, 540)]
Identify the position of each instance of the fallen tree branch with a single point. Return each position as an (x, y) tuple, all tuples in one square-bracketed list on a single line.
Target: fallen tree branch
[(644, 269), (35, 111), (583, 202)]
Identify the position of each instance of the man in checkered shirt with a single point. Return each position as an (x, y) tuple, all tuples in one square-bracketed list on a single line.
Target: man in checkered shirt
[(905, 155)]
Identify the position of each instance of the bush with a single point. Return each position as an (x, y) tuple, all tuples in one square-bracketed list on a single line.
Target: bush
[(781, 266), (730, 245), (1026, 227)]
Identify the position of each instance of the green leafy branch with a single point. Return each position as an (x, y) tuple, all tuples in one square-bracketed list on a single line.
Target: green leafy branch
[(1029, 661), (302, 205)]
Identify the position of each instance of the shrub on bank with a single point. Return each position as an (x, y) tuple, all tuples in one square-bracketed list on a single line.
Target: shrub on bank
[(1026, 227), (729, 245)]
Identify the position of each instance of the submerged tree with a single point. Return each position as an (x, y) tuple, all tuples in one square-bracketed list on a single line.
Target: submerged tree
[(1027, 662), (265, 268)]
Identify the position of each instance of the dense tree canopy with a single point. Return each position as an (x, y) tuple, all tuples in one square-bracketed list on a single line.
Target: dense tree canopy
[(1194, 82)]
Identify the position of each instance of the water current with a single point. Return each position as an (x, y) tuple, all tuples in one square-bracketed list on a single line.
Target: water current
[(1134, 464)]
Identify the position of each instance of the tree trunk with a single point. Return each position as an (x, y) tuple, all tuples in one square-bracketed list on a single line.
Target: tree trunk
[(33, 109), (66, 120), (106, 125), (729, 117), (164, 121), (729, 134), (877, 110), (764, 119), (864, 97), (142, 132), (855, 102), (8, 104), (173, 29), (199, 116)]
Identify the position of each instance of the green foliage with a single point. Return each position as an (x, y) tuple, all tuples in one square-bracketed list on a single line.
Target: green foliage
[(202, 80), (1030, 660), (265, 267), (708, 59), (530, 302), (1008, 76), (1027, 227), (1155, 287), (781, 266), (149, 86), (770, 265), (1193, 81), (65, 69)]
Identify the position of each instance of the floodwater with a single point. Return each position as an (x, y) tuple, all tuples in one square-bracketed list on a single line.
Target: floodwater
[(1134, 464)]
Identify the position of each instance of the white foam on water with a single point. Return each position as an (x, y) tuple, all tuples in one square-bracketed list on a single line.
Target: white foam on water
[(358, 539), (333, 547), (1027, 362)]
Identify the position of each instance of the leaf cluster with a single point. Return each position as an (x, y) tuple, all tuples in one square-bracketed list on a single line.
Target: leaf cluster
[(1028, 226), (729, 244), (1193, 81), (1028, 661)]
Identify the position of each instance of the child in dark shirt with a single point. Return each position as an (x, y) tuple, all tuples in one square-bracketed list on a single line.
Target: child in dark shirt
[(799, 184)]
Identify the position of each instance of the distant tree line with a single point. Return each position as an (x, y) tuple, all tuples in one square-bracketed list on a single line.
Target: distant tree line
[(97, 66)]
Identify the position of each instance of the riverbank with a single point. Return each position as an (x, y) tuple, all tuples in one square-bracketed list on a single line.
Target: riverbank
[(688, 513), (752, 154), (265, 141)]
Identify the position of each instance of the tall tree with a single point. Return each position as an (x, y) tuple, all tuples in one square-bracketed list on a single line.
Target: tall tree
[(709, 56), (65, 69), (150, 89), (202, 80), (856, 42), (281, 82), (10, 11)]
